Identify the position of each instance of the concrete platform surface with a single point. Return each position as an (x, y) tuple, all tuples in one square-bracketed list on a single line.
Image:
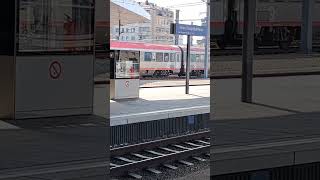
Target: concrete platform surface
[(267, 64), (161, 103), (46, 145), (280, 128)]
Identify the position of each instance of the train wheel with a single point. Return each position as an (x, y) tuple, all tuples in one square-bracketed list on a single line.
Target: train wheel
[(156, 73)]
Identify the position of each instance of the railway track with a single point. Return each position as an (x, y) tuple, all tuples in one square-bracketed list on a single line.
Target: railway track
[(130, 160)]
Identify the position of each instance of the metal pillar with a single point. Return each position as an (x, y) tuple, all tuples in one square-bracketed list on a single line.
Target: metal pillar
[(248, 49), (188, 64), (306, 27), (191, 38), (207, 42), (176, 42)]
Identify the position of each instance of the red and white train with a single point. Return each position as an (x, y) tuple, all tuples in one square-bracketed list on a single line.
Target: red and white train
[(162, 60), (278, 22)]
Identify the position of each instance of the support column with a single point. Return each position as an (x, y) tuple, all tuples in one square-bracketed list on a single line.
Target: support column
[(188, 64), (207, 42), (306, 26), (176, 40), (248, 49)]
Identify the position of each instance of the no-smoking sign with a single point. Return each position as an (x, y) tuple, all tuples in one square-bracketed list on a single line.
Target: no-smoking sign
[(55, 70), (127, 84)]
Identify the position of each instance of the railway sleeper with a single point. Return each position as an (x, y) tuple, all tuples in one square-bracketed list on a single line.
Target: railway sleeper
[(186, 163), (170, 166), (152, 170), (135, 176)]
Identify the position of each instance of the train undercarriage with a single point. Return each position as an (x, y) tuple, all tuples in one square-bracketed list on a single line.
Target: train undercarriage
[(168, 73), (281, 36)]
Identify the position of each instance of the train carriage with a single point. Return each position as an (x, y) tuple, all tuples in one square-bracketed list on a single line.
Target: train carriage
[(278, 22), (163, 60)]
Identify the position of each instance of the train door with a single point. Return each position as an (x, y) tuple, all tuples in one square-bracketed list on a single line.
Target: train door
[(172, 62), (142, 63), (178, 63)]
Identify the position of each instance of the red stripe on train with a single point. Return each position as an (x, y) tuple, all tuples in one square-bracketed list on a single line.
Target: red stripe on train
[(147, 46), (138, 46), (164, 69)]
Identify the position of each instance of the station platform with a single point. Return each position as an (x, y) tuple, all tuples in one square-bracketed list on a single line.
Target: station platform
[(160, 103), (267, 65), (280, 128), (173, 82), (71, 147)]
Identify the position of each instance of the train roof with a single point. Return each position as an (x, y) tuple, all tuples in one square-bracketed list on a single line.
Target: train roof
[(147, 46)]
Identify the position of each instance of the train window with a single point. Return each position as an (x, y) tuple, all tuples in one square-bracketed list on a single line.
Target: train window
[(198, 58), (148, 56), (67, 27), (172, 57), (202, 58), (166, 57), (159, 57), (178, 58), (193, 58)]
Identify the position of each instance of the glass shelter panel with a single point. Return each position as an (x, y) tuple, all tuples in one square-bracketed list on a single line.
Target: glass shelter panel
[(127, 65), (43, 28)]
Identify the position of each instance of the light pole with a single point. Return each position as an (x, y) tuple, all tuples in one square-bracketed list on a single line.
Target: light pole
[(119, 26)]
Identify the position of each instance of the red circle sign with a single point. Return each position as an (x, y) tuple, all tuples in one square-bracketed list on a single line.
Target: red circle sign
[(55, 70), (127, 84)]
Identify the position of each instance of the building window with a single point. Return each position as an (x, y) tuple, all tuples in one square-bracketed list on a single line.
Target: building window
[(144, 29)]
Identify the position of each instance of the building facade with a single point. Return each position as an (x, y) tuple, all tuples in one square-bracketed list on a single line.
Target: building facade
[(155, 31)]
